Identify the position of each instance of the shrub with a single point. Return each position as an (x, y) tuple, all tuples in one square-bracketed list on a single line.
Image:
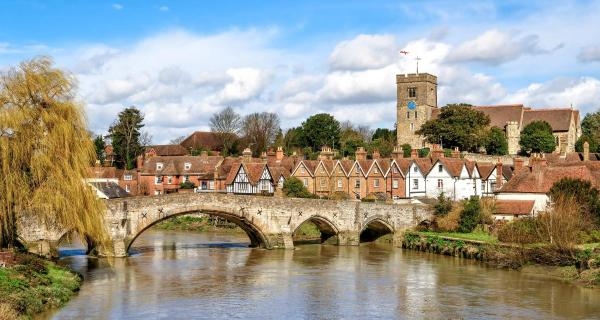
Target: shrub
[(187, 185), (521, 231), (486, 215), (339, 195), (294, 188), (469, 216), (562, 225), (443, 206), (449, 223)]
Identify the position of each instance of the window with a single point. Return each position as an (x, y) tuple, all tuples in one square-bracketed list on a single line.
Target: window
[(375, 170), (186, 178), (357, 183), (395, 184), (440, 183), (170, 179), (483, 186), (128, 177), (339, 184), (127, 188), (322, 182), (415, 114), (492, 186), (211, 185), (305, 182), (187, 166), (407, 114), (440, 168), (415, 169), (204, 185), (159, 166), (395, 170), (412, 92), (302, 170), (412, 127), (557, 140), (376, 183), (158, 180), (357, 169), (415, 183)]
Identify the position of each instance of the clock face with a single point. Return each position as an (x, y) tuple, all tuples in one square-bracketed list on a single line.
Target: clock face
[(411, 105)]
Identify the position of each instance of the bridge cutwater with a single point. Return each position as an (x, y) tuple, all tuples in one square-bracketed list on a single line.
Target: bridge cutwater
[(269, 222)]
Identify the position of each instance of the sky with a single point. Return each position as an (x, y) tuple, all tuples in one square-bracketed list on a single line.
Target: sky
[(180, 62)]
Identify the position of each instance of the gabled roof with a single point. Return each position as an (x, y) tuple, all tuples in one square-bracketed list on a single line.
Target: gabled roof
[(327, 165), (364, 165), (470, 167), (558, 118), (485, 169), (394, 163), (514, 207), (175, 165), (278, 172), (253, 171), (346, 166), (404, 165), (540, 181), (202, 140), (310, 166), (167, 150), (110, 189), (501, 114), (424, 164), (102, 172), (384, 165), (452, 165)]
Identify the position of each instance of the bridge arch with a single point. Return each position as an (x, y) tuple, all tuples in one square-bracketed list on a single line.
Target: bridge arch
[(327, 228), (86, 240), (375, 228), (253, 230)]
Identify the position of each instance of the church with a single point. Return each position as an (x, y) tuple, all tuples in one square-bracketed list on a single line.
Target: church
[(417, 103)]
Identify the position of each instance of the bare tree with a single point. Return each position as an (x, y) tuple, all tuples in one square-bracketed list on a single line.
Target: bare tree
[(177, 140), (227, 125), (260, 130), (365, 132)]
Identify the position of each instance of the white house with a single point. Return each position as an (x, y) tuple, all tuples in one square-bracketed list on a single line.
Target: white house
[(450, 176), (415, 177), (250, 178)]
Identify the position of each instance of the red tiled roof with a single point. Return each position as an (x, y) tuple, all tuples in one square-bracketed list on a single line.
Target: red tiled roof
[(384, 165), (453, 165), (501, 114), (202, 140), (559, 119), (103, 172), (175, 165), (404, 165), (485, 169), (346, 165), (253, 171), (540, 181), (424, 164), (168, 150), (515, 207)]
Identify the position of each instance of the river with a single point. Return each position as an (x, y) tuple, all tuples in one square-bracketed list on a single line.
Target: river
[(182, 275)]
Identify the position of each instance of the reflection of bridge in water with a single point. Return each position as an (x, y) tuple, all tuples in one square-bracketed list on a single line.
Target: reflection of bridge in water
[(269, 222)]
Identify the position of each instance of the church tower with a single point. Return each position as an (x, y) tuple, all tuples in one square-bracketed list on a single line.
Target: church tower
[(417, 97)]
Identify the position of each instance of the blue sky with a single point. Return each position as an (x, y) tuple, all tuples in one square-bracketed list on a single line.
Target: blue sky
[(181, 61)]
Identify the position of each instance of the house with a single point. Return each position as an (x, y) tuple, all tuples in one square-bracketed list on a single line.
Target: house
[(375, 177), (107, 189), (490, 174), (304, 171), (250, 178), (415, 177), (165, 150), (395, 179), (323, 183), (202, 140), (339, 176), (451, 177), (512, 209)]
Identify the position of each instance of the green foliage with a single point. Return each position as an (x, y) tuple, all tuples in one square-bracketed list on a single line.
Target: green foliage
[(187, 185), (590, 125), (99, 146), (496, 143), (582, 191), (593, 143), (406, 150), (385, 147), (469, 216), (443, 206), (537, 137), (321, 130), (351, 146), (424, 152), (125, 133), (385, 134), (520, 231), (293, 140), (458, 125), (294, 188)]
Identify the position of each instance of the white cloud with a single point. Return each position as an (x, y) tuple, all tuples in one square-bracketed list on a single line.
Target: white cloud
[(364, 52), (117, 6), (246, 83), (496, 47), (589, 54)]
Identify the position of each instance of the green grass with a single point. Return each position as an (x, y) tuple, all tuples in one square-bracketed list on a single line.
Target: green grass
[(34, 285), (589, 246), (475, 235), (196, 224)]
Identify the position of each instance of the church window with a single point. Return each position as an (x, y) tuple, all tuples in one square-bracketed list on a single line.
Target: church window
[(415, 114), (407, 114), (412, 127), (412, 92)]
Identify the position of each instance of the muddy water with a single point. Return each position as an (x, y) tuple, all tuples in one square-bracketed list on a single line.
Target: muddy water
[(178, 275)]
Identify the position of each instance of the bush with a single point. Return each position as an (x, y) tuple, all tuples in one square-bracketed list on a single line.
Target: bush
[(562, 225), (443, 206), (339, 195), (294, 188), (187, 185), (469, 216), (449, 223), (521, 231)]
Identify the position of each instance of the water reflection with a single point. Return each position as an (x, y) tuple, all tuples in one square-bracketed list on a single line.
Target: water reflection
[(208, 276)]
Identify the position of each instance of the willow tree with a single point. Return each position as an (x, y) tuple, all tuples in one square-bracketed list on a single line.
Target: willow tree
[(45, 150)]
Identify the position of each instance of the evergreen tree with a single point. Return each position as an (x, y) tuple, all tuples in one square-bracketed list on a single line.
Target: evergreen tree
[(496, 143), (537, 137), (469, 216), (99, 146), (321, 130), (125, 134)]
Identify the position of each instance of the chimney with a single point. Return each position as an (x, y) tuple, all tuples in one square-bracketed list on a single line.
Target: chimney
[(376, 154), (397, 153), (518, 164), (499, 176), (279, 154), (360, 154), (586, 151), (271, 154), (263, 156), (326, 153), (537, 164), (414, 153), (139, 162), (456, 153), (246, 155), (436, 153)]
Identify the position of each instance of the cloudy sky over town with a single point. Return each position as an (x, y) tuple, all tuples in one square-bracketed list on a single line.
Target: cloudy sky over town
[(181, 61)]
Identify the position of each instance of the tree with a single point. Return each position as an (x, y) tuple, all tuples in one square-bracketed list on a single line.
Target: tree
[(496, 143), (321, 130), (125, 134), (406, 150), (537, 137), (294, 188), (383, 133), (593, 144), (443, 206), (227, 124), (458, 125), (590, 125), (45, 152), (469, 216), (260, 129), (177, 140), (293, 139), (99, 146), (582, 191)]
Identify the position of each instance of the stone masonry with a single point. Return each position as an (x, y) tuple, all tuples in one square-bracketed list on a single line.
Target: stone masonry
[(268, 221)]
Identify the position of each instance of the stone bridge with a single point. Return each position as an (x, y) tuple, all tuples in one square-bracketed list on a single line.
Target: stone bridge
[(269, 222)]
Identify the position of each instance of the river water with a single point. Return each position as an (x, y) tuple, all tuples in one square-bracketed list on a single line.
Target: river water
[(179, 275)]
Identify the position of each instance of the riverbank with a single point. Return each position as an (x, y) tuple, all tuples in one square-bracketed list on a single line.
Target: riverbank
[(198, 224), (30, 285), (581, 266)]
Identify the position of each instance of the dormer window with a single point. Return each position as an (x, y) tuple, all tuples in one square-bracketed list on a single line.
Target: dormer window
[(159, 166), (187, 166)]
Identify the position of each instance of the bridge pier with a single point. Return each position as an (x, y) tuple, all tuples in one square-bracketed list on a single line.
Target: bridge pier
[(42, 247), (348, 238)]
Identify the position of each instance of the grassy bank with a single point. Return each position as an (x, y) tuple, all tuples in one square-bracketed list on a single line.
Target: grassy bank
[(580, 265), (197, 224), (32, 285)]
